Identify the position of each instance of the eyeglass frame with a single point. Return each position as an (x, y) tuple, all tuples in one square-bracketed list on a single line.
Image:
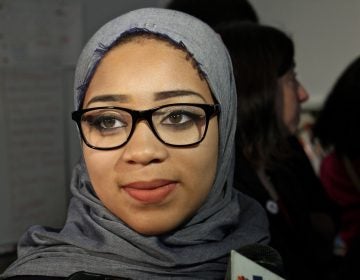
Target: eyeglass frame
[(210, 110)]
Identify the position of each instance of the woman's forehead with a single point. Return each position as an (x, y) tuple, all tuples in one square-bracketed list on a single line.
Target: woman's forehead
[(147, 67), (143, 38)]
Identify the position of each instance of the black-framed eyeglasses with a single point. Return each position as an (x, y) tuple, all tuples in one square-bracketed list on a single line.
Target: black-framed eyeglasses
[(179, 125)]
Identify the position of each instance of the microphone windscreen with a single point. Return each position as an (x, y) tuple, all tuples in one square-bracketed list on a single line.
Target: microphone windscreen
[(265, 256)]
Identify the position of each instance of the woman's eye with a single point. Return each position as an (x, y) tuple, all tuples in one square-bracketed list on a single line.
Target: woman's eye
[(106, 122), (179, 118), (110, 123)]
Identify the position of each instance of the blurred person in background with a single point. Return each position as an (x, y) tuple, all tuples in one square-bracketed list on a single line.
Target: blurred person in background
[(337, 129), (271, 165), (216, 11)]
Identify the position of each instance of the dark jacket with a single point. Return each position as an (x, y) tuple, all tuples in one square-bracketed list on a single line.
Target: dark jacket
[(304, 252)]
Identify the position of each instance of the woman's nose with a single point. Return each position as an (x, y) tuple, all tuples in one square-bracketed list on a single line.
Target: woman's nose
[(144, 147), (303, 94)]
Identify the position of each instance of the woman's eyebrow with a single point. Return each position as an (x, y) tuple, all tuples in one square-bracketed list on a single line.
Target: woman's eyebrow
[(109, 98), (158, 96), (176, 93)]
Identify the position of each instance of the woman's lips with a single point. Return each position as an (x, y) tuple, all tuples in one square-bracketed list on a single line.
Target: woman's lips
[(150, 192)]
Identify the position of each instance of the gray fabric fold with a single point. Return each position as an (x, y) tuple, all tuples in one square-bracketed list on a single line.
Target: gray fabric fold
[(94, 240)]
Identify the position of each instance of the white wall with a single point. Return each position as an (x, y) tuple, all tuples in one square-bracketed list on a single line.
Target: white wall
[(326, 35)]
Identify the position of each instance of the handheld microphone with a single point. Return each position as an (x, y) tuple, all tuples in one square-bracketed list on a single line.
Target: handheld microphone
[(255, 262)]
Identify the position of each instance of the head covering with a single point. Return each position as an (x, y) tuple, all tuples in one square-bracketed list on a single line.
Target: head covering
[(95, 240)]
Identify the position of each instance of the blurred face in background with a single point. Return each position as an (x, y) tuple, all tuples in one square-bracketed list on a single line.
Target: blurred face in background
[(292, 94)]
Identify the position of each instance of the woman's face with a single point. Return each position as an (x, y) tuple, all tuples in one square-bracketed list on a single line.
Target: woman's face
[(292, 94), (150, 186)]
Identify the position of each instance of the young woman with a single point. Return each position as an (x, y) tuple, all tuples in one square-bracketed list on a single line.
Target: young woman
[(271, 165), (153, 197)]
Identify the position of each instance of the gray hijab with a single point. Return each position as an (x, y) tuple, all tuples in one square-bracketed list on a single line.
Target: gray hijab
[(94, 240)]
